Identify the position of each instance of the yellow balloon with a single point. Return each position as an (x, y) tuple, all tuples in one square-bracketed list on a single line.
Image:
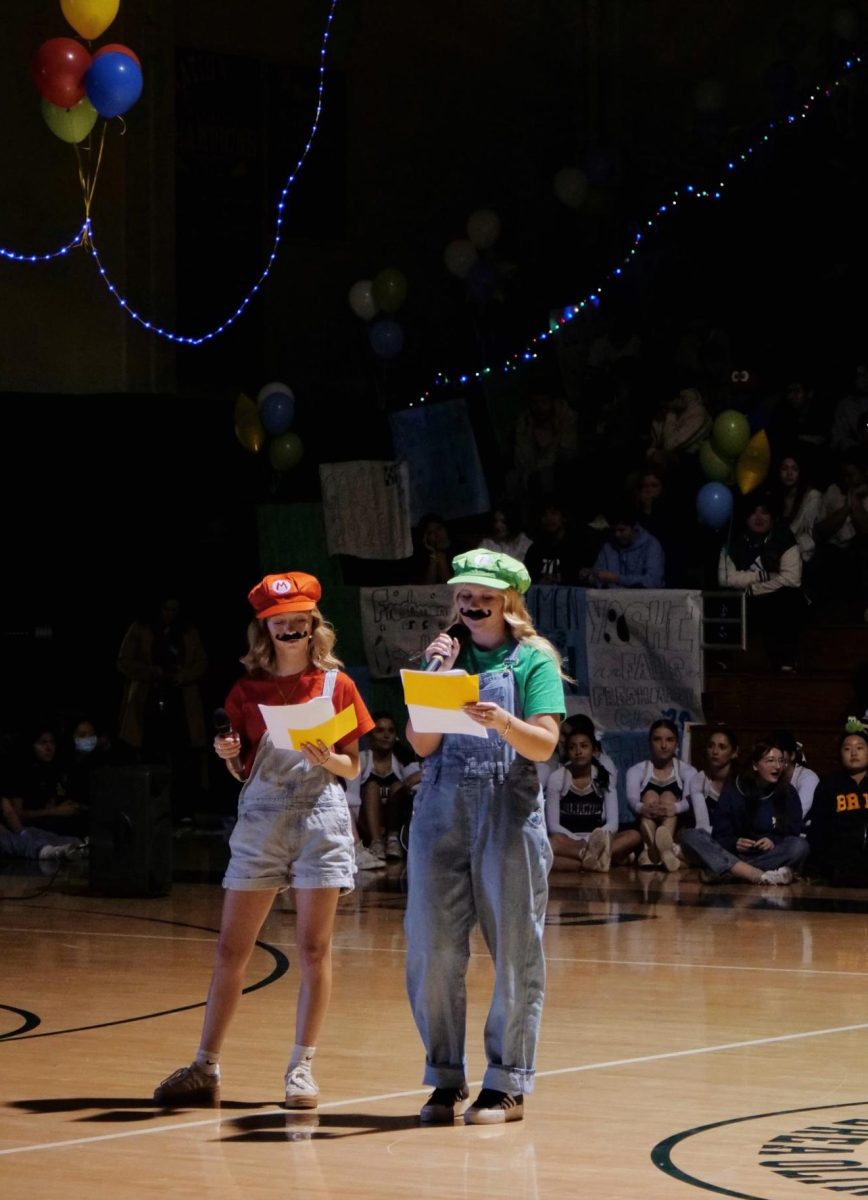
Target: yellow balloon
[(90, 18), (248, 428), (753, 463)]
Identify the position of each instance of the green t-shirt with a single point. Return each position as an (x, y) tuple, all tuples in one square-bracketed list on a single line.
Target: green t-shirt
[(539, 685)]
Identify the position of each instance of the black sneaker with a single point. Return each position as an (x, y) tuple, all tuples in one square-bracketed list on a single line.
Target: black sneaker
[(492, 1108), (439, 1108)]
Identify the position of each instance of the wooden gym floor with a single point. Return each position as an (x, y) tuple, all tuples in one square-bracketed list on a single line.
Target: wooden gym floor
[(695, 1039)]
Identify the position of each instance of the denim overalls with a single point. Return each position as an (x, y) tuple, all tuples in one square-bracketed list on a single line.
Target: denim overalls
[(478, 852), (293, 823)]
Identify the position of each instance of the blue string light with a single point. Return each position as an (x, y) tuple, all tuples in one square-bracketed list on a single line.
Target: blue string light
[(689, 191), (16, 256), (85, 235)]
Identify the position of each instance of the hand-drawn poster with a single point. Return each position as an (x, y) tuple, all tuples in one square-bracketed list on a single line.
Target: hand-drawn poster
[(644, 649), (399, 621)]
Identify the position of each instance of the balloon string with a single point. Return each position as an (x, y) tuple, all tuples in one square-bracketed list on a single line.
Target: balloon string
[(88, 184)]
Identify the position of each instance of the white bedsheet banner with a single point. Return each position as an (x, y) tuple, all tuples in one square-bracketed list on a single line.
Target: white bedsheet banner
[(366, 507), (644, 657)]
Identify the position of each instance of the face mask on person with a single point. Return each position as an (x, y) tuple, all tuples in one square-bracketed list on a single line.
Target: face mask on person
[(85, 744)]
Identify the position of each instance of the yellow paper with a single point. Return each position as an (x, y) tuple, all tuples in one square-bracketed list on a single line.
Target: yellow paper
[(289, 725), (440, 689)]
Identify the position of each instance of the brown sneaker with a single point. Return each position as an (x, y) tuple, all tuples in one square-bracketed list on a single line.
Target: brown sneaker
[(188, 1085), (439, 1108), (493, 1108)]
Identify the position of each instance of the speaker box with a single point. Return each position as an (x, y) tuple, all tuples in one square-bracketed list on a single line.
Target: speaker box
[(131, 831)]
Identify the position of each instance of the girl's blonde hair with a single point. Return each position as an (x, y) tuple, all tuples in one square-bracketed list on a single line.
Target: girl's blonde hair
[(262, 659), (521, 627)]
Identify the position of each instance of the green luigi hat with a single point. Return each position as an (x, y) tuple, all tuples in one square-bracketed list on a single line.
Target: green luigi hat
[(487, 568)]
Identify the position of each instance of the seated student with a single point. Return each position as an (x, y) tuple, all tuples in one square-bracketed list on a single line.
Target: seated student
[(388, 775), (555, 556), (721, 763), (631, 557), (838, 834), (762, 558), (582, 811), (38, 787), (796, 772), (576, 723), (756, 827), (505, 533), (18, 840), (87, 751), (657, 792)]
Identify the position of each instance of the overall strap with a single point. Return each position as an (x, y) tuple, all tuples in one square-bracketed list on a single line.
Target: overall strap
[(328, 684)]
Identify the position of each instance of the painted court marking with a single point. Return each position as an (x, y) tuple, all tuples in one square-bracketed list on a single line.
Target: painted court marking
[(601, 1066)]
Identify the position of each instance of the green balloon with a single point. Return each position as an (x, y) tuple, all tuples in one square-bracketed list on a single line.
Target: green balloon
[(70, 124), (713, 466), (285, 451), (730, 433), (389, 289)]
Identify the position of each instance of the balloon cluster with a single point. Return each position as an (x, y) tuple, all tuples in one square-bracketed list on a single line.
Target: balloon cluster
[(384, 294), (271, 414), (463, 258), (77, 86), (730, 455)]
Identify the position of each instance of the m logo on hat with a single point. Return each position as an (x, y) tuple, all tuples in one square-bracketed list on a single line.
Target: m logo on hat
[(280, 587)]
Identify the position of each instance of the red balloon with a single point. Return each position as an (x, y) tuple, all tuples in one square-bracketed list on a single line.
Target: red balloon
[(58, 70), (117, 48)]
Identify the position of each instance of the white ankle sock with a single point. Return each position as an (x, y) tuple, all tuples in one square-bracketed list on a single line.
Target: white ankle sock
[(207, 1061), (299, 1053)]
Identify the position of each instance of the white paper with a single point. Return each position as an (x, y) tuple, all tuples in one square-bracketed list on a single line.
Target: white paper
[(280, 718), (444, 720)]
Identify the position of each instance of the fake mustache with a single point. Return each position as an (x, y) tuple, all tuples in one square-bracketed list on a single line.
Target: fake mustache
[(292, 637), (476, 614)]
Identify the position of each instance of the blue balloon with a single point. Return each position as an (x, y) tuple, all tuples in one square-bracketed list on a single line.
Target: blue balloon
[(714, 504), (113, 83), (386, 337), (276, 411)]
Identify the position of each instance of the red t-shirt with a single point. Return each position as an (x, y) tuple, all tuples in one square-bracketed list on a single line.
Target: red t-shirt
[(242, 705)]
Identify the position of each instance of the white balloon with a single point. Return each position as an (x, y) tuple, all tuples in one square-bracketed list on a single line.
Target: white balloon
[(483, 228), (459, 257), (570, 186), (362, 300), (270, 388)]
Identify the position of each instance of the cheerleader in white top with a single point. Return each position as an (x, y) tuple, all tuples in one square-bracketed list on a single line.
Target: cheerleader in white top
[(721, 761), (796, 773), (582, 811), (657, 792)]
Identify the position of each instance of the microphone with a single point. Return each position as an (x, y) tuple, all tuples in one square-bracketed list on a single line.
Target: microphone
[(223, 728), (459, 631)]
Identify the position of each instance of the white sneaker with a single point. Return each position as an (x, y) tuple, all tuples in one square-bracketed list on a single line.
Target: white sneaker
[(377, 848), (301, 1089), (63, 852), (393, 846), (598, 855), (365, 861), (779, 875), (666, 849)]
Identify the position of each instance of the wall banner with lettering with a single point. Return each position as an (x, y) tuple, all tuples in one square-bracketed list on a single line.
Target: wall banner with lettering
[(398, 622), (635, 653)]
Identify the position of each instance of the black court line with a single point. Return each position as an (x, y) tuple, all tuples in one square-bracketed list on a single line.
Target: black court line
[(661, 1154), (281, 966)]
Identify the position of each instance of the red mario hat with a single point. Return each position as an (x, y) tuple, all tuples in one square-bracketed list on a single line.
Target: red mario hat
[(291, 592)]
